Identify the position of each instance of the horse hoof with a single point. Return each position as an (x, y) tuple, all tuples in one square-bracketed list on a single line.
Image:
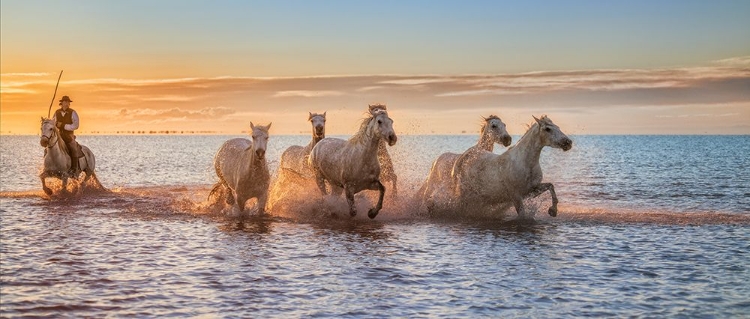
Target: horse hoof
[(372, 213), (552, 211)]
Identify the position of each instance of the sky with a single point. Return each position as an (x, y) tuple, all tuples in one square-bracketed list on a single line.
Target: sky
[(593, 67)]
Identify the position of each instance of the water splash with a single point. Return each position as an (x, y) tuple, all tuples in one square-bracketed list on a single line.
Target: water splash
[(301, 202)]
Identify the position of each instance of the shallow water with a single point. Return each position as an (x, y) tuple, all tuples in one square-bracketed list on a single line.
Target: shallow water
[(655, 226)]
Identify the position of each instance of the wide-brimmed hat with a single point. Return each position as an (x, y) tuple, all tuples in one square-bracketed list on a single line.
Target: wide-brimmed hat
[(65, 98)]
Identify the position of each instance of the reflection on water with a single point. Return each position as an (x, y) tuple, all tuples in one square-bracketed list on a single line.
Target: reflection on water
[(637, 236)]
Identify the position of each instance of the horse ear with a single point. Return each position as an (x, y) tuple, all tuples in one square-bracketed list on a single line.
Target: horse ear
[(309, 118), (42, 119), (324, 114), (268, 127), (537, 120), (252, 127)]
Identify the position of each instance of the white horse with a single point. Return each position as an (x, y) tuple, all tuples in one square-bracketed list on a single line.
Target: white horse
[(440, 182), (56, 159), (494, 181), (243, 171), (353, 164), (295, 157), (387, 172)]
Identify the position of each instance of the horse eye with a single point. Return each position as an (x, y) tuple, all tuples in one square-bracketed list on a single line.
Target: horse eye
[(547, 129), (494, 126), (380, 122)]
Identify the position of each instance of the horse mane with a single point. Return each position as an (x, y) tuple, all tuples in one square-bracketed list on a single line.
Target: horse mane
[(491, 117), (530, 128), (371, 107), (360, 135)]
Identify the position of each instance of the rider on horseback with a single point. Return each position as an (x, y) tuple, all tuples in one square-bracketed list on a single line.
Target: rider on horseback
[(66, 120)]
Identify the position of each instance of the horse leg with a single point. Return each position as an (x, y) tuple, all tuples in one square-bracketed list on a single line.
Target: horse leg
[(394, 186), (374, 211), (336, 190), (262, 199), (230, 196), (321, 183), (520, 209), (543, 187), (64, 179), (350, 201), (240, 206), (46, 189)]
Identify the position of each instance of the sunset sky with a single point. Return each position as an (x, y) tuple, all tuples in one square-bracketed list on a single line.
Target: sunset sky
[(594, 67)]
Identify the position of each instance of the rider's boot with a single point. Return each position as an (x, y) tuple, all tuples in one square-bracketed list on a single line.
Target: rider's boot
[(74, 157)]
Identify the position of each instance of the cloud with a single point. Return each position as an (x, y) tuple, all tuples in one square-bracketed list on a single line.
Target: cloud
[(169, 98), (27, 74), (713, 87), (307, 93), (735, 61), (209, 113)]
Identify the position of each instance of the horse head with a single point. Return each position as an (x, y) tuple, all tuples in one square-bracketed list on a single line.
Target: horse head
[(551, 135), (382, 125), (319, 124), (260, 139), (496, 130), (48, 131)]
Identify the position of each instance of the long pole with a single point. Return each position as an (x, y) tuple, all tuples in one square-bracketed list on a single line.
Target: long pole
[(55, 94)]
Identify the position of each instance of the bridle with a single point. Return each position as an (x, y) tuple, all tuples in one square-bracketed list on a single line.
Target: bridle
[(49, 138)]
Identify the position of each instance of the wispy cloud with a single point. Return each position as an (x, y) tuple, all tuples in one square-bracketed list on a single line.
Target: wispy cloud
[(175, 113), (720, 85), (307, 93), (27, 74)]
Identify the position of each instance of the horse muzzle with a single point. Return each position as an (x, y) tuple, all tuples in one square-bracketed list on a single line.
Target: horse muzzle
[(507, 140), (44, 141), (260, 153), (320, 132), (392, 139), (566, 144)]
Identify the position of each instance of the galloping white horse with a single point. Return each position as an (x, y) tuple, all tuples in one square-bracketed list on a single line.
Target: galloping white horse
[(387, 172), (494, 181), (56, 159), (242, 170), (295, 157), (440, 181), (353, 164)]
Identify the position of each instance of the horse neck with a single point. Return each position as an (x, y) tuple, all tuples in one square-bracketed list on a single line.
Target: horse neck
[(528, 149), (316, 138), (368, 138), (485, 141), (59, 143)]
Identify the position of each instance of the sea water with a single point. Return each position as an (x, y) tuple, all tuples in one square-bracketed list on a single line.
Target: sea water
[(654, 226)]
